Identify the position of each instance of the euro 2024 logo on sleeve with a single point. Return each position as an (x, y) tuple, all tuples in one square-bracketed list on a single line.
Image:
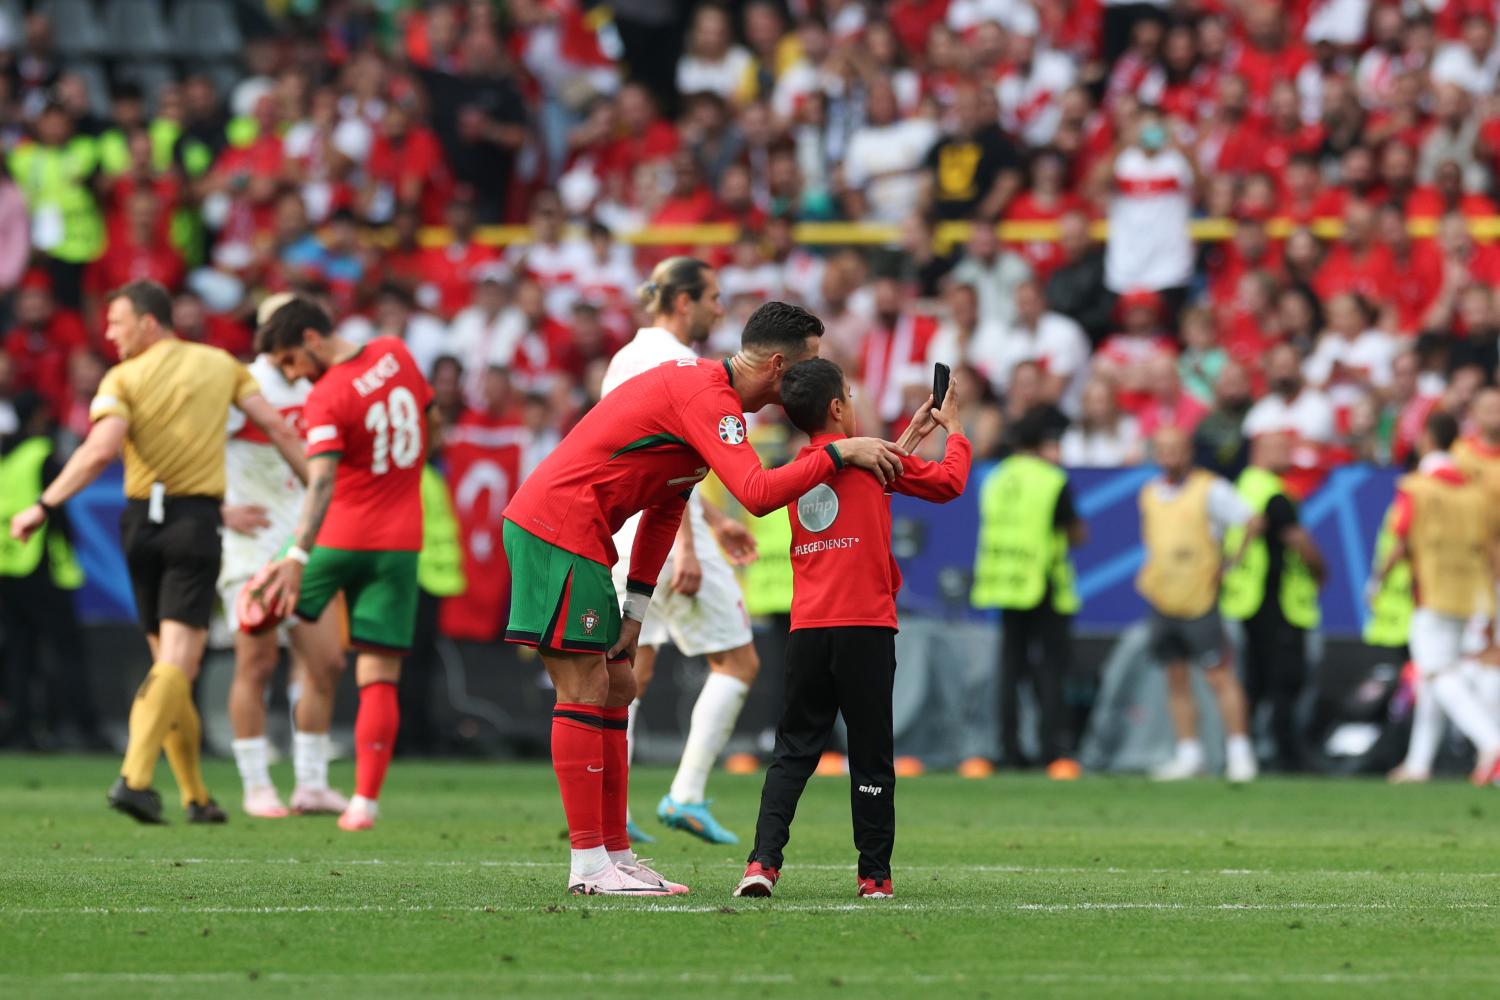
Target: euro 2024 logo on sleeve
[(731, 430), (818, 508)]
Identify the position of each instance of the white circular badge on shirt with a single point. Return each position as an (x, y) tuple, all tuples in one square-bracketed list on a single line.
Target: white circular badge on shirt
[(731, 430), (818, 508)]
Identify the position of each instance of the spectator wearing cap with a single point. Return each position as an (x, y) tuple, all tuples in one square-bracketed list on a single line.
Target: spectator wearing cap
[(1357, 262), (885, 161), (1031, 86), (1148, 186), (1076, 286), (1102, 437), (994, 271), (974, 170)]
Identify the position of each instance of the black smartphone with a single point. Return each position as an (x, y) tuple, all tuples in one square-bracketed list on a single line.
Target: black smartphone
[(941, 373)]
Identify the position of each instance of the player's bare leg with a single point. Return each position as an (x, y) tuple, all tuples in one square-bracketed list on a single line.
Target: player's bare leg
[(375, 727), (255, 658), (1187, 759), (731, 673), (1239, 755), (317, 664)]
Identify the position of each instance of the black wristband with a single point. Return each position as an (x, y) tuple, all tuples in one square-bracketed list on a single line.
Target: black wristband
[(47, 508), (637, 587), (833, 452)]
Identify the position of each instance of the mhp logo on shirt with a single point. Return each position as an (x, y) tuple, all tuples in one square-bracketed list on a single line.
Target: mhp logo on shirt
[(818, 507), (731, 430)]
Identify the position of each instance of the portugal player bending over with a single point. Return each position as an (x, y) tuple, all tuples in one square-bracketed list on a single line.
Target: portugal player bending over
[(361, 524), (641, 449)]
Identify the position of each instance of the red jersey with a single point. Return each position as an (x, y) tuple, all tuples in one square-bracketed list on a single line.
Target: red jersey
[(641, 449), (371, 411), (843, 572)]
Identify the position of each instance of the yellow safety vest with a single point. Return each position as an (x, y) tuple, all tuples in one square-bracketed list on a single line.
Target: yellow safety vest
[(20, 485), (440, 564), (66, 222), (768, 580), (1244, 587), (1181, 576), (1450, 538), (1390, 611), (1021, 552)]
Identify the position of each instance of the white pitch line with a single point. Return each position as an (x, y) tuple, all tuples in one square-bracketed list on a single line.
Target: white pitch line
[(870, 906), (795, 867)]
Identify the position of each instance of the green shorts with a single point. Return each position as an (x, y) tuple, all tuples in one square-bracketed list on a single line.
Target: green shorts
[(380, 588), (558, 601)]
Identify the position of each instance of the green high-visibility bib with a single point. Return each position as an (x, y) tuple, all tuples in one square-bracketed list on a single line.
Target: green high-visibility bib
[(1244, 586), (1021, 552)]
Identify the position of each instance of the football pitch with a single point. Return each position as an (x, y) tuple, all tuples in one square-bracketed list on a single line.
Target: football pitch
[(1005, 887)]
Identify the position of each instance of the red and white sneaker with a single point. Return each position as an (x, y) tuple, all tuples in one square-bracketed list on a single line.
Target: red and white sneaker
[(758, 881), (639, 870), (359, 816), (318, 802), (264, 803), (876, 888), (613, 881)]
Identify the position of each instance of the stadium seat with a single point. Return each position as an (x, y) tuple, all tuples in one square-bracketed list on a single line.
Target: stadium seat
[(97, 82), (206, 28), (76, 29), (149, 75), (136, 29)]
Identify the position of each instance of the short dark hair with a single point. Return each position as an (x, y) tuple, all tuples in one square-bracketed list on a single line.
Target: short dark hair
[(1442, 427), (286, 326), (1035, 428), (147, 298), (780, 326), (806, 390)]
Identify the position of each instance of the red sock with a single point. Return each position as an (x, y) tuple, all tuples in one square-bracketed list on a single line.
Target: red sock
[(578, 759), (616, 778), (375, 728)]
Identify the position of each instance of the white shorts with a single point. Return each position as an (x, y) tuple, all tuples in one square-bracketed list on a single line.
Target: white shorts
[(711, 621), (1436, 641)]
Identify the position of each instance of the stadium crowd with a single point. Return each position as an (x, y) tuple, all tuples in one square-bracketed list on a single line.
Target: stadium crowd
[(1296, 202)]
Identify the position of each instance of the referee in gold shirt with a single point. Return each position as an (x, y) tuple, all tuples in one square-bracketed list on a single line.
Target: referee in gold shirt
[(165, 405)]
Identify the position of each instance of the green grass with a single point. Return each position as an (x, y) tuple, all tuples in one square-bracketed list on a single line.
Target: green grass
[(1011, 886)]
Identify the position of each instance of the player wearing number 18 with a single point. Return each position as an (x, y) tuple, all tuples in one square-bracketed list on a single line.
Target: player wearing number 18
[(361, 524)]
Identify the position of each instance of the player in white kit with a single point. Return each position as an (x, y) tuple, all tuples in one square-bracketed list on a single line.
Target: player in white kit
[(700, 608), (261, 506)]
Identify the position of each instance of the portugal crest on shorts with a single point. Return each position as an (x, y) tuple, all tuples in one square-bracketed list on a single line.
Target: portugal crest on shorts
[(589, 620), (731, 430)]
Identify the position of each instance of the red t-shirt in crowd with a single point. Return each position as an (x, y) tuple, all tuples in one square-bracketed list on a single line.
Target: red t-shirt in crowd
[(1418, 279), (450, 269), (371, 412), (416, 157), (40, 356), (641, 449), (1371, 273), (843, 572)]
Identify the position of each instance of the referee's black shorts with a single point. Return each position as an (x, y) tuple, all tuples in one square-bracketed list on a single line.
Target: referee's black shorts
[(174, 563)]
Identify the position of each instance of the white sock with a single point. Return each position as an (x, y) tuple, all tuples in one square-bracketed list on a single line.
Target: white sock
[(1426, 731), (1457, 700), (370, 805), (253, 757), (630, 744), (310, 759), (622, 857), (1190, 750), (590, 861), (714, 714), (1239, 746)]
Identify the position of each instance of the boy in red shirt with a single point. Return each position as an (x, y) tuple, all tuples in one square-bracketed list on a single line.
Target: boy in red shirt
[(842, 652)]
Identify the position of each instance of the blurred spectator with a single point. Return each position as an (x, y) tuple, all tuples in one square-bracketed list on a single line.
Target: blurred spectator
[(44, 335), (884, 161), (1149, 186), (1166, 404), (85, 372), (1025, 397), (1470, 61), (1219, 441), (1123, 357), (1202, 359), (485, 330), (974, 169), (15, 243), (1356, 263), (894, 359), (1075, 287), (1056, 343), (396, 314), (994, 272), (1352, 359), (53, 172), (191, 320), (1291, 407), (711, 61), (136, 253), (1032, 82), (1045, 199), (448, 268), (1102, 436), (923, 267)]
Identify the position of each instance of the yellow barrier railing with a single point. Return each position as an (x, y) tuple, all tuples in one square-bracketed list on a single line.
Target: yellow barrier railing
[(946, 234)]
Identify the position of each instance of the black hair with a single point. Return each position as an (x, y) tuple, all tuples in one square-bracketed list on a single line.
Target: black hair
[(287, 325), (806, 390), (1034, 429), (127, 90), (1442, 427), (780, 327), (147, 298)]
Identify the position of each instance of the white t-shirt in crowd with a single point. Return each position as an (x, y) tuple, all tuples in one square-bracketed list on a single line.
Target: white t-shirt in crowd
[(762, 281), (1455, 63), (886, 161), (1031, 104), (1341, 22), (1149, 245), (721, 76), (479, 340), (558, 267), (1058, 344), (1372, 353), (1226, 508), (1309, 416), (1102, 449)]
